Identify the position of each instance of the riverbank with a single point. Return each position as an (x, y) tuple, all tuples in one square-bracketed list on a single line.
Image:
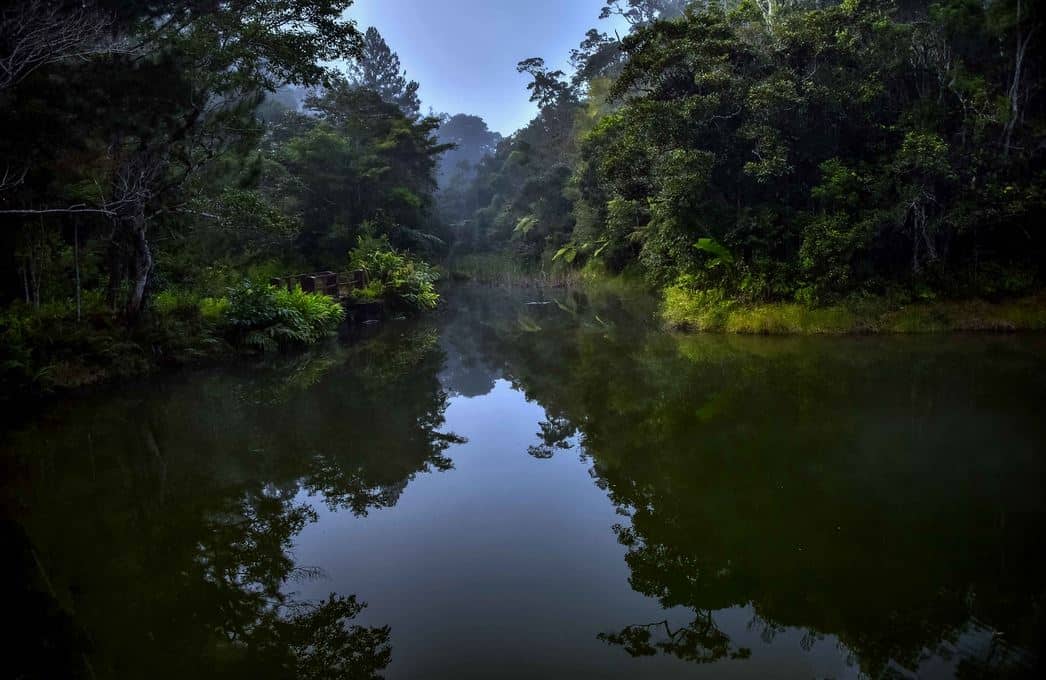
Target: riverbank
[(50, 351), (710, 312), (706, 312)]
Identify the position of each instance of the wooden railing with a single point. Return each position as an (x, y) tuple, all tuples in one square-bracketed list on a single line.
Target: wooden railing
[(329, 283)]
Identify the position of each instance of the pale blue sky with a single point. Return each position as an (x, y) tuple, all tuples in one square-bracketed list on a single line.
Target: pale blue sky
[(464, 52)]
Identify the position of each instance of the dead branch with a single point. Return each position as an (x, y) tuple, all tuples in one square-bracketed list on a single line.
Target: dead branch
[(36, 33)]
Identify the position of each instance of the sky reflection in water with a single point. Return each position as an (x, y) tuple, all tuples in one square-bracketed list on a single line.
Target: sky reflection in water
[(550, 489)]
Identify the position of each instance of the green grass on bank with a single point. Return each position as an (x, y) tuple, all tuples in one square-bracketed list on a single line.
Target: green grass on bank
[(708, 311)]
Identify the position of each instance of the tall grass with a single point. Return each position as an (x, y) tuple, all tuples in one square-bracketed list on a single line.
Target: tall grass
[(710, 311)]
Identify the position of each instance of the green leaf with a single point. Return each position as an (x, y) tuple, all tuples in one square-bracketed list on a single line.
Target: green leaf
[(525, 225), (714, 247), (567, 252)]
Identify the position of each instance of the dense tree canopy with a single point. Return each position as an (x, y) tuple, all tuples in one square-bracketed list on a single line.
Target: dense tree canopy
[(354, 158), (165, 152), (780, 150), (808, 151), (134, 135)]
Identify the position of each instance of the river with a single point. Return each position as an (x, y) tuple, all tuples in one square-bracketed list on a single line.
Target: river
[(541, 484)]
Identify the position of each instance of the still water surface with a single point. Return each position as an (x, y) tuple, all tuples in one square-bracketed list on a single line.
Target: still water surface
[(540, 484)]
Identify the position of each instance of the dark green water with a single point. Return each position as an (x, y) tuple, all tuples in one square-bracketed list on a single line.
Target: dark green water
[(541, 490)]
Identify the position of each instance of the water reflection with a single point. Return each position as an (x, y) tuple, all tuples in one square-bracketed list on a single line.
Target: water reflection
[(153, 526), (632, 504), (885, 492)]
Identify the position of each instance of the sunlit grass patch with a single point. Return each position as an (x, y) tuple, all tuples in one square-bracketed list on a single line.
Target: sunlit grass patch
[(792, 318), (697, 310), (709, 311)]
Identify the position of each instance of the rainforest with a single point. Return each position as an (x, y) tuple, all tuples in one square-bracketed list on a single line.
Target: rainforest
[(458, 339)]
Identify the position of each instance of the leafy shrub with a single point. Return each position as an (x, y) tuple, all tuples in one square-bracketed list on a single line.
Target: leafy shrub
[(269, 318), (831, 244), (213, 309), (394, 277), (16, 356), (48, 348)]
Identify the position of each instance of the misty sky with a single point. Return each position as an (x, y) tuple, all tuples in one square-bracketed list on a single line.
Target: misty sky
[(464, 52)]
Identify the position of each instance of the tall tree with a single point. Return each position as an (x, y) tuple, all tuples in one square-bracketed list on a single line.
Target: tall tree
[(472, 141), (356, 159), (379, 69)]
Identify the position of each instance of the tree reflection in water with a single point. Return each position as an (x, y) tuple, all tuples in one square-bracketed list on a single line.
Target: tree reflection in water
[(875, 494), (701, 641), (879, 490), (154, 531)]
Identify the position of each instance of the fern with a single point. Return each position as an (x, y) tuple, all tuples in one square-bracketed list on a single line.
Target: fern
[(394, 277), (268, 318)]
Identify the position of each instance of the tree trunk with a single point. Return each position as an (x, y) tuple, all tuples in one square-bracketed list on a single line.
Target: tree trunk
[(1014, 93), (34, 278), (141, 262), (76, 265), (115, 257)]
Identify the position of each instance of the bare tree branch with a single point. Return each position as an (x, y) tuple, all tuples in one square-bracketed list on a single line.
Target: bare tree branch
[(35, 33), (10, 179), (71, 210)]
